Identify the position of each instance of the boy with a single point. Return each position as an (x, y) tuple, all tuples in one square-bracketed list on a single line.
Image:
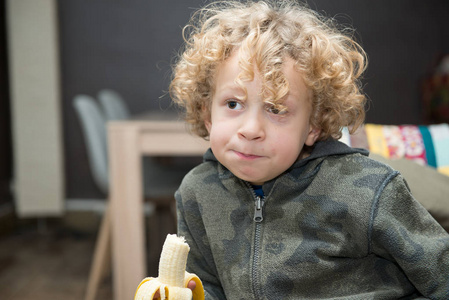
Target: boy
[(280, 209)]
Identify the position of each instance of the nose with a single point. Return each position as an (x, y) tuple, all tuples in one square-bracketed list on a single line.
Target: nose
[(252, 127)]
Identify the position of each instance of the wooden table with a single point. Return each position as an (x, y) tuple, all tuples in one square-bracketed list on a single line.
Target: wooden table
[(128, 142)]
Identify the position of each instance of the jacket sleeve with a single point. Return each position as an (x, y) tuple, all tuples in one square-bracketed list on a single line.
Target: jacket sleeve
[(403, 231), (200, 260)]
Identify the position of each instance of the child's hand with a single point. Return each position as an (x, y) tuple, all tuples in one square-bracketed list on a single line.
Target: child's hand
[(191, 285)]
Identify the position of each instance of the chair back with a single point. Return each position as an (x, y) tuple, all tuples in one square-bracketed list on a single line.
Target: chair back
[(113, 105), (94, 130)]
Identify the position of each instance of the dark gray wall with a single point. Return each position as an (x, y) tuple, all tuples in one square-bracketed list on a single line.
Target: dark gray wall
[(403, 39), (128, 46), (123, 45)]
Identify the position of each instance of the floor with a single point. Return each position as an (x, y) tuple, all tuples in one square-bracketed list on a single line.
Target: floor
[(50, 260), (47, 263)]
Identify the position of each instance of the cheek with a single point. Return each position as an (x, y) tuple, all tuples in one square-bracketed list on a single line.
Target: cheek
[(217, 134), (288, 146)]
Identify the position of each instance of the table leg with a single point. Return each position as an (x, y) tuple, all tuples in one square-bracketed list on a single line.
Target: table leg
[(126, 196)]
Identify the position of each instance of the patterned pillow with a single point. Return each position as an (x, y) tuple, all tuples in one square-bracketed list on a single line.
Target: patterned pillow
[(426, 145)]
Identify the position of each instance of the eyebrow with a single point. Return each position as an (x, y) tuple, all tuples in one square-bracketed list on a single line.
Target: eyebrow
[(233, 88)]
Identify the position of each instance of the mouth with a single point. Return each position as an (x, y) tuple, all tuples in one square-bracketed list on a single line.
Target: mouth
[(247, 156)]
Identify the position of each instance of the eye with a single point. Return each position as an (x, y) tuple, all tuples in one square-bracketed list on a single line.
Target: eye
[(276, 109), (232, 104)]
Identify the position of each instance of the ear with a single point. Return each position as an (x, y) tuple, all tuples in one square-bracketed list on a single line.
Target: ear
[(208, 125), (313, 135), (207, 119)]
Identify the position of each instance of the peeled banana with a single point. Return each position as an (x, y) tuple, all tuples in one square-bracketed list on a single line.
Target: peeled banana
[(173, 278)]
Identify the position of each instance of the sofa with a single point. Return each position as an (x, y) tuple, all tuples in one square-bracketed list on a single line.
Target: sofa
[(419, 153)]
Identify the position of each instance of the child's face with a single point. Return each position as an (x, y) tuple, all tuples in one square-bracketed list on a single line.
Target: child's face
[(248, 138)]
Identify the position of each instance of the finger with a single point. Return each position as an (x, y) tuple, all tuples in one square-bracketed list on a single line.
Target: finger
[(191, 285)]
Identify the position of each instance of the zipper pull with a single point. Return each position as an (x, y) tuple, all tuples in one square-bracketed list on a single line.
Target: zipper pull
[(258, 216)]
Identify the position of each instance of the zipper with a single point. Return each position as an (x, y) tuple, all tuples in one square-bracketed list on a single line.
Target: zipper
[(256, 260), (258, 210), (258, 218)]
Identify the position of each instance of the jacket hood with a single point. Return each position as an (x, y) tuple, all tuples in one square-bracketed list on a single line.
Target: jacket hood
[(329, 147)]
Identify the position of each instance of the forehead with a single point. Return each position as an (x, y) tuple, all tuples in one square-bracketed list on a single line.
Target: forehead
[(230, 70), (227, 73)]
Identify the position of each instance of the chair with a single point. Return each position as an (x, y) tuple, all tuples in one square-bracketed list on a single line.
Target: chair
[(94, 130), (159, 180), (160, 183), (114, 106)]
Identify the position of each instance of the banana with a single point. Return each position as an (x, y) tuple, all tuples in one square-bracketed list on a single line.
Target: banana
[(173, 279)]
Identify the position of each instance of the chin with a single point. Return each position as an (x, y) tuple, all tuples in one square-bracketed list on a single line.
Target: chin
[(252, 179)]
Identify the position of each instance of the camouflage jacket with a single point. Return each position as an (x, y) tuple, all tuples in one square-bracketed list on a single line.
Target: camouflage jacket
[(336, 225)]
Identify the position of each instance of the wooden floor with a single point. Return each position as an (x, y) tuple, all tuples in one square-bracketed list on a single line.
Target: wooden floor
[(47, 263), (48, 260)]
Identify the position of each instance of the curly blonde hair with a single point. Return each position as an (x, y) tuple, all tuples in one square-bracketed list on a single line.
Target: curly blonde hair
[(265, 33)]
